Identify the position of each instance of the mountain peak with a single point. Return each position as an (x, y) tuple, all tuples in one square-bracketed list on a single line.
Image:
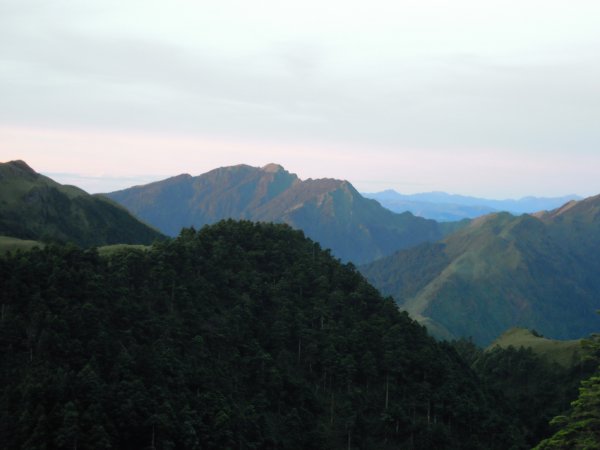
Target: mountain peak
[(22, 165), (17, 169), (272, 167), (328, 210)]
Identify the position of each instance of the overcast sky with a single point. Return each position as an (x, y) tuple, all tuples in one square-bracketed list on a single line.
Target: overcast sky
[(489, 98)]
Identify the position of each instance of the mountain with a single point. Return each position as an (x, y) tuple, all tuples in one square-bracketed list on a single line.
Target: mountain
[(329, 211), (240, 335), (443, 207), (34, 207), (534, 271)]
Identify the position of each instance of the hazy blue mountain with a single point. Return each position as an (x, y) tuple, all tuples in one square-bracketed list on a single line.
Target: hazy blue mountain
[(441, 206), (35, 207), (535, 271), (329, 211)]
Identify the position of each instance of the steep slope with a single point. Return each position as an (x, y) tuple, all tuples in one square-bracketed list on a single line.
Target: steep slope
[(329, 211), (504, 271), (35, 207), (240, 335)]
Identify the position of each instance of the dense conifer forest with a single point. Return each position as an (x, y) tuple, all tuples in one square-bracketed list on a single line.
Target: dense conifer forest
[(237, 336), (242, 336)]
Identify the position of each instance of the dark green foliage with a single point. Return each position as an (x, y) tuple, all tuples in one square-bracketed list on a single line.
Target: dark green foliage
[(534, 390), (579, 428), (33, 206), (526, 385), (238, 336)]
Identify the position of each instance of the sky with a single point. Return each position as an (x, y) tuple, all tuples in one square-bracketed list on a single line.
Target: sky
[(490, 98)]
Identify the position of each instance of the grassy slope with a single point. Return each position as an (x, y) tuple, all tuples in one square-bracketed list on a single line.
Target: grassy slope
[(34, 207), (11, 244), (565, 353), (109, 250), (503, 271)]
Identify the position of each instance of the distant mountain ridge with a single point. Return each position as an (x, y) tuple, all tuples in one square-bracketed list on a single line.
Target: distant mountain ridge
[(35, 207), (441, 206), (535, 271), (329, 211)]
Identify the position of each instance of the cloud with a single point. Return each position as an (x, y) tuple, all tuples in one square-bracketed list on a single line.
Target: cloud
[(123, 159), (385, 77), (287, 91), (102, 183)]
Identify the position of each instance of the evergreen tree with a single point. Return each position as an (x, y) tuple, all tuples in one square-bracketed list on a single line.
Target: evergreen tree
[(579, 428), (239, 335)]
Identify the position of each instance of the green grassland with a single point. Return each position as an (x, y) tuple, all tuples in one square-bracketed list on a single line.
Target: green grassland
[(565, 353), (108, 250), (11, 244)]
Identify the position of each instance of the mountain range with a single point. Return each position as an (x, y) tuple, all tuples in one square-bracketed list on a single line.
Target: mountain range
[(444, 207), (329, 211), (460, 279), (536, 271), (35, 207), (248, 334)]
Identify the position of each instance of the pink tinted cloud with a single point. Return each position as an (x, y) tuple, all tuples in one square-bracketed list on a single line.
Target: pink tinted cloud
[(115, 160)]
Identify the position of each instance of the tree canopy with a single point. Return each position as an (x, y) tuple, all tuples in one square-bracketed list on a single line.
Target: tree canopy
[(239, 335)]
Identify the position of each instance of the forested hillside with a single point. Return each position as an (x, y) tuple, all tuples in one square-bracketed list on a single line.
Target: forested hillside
[(237, 336), (532, 384), (579, 427)]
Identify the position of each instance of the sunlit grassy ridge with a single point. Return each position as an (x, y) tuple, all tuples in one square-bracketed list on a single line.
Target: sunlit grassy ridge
[(565, 353), (11, 244), (109, 250)]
